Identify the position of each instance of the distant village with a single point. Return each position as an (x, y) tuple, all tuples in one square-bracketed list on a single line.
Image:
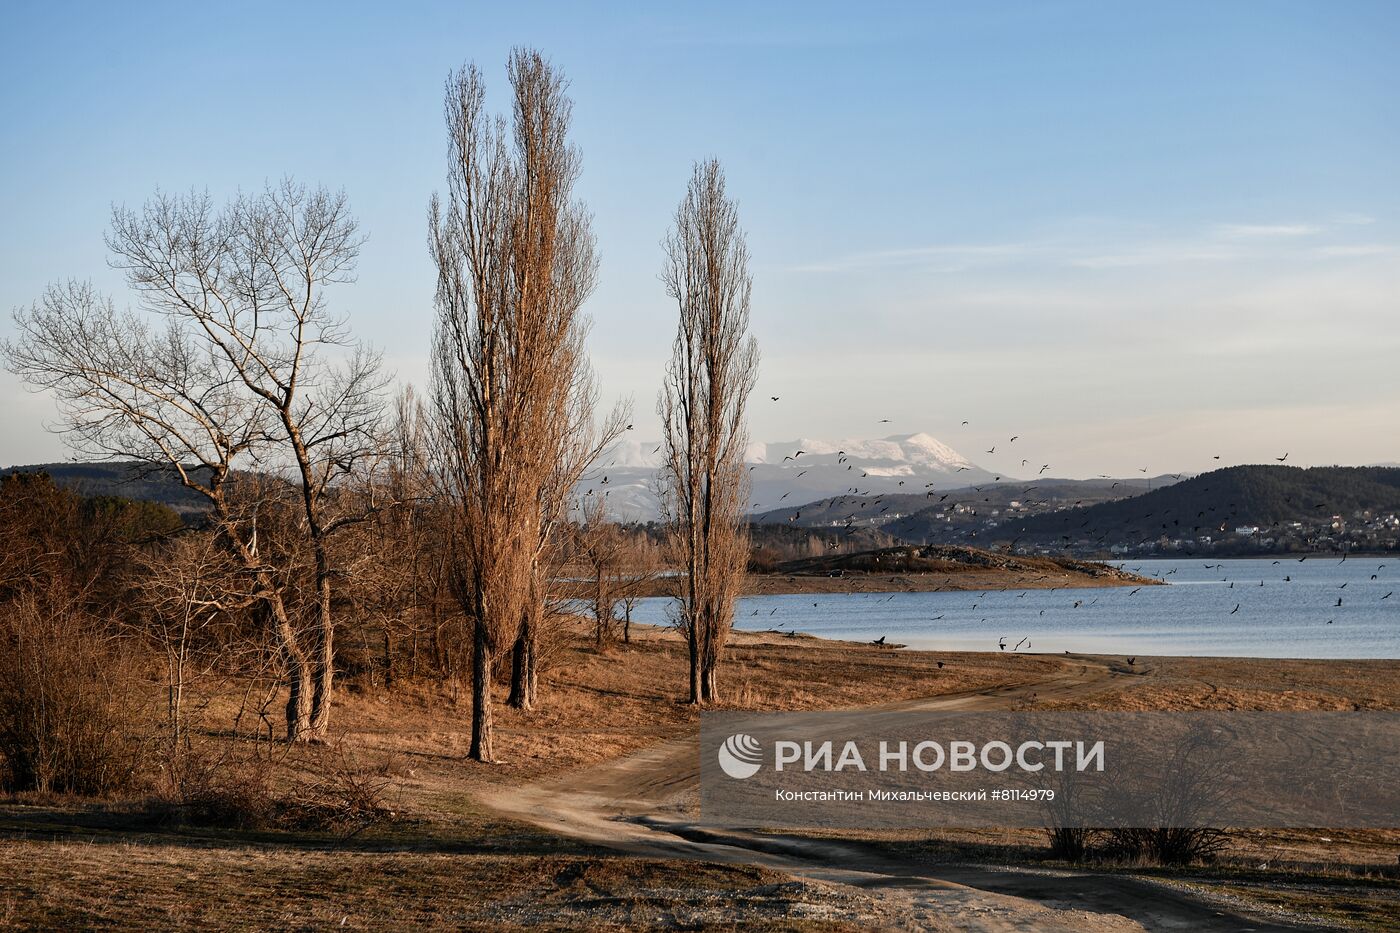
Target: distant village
[(1360, 530)]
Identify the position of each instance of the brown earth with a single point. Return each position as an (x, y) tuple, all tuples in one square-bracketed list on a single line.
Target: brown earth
[(587, 821)]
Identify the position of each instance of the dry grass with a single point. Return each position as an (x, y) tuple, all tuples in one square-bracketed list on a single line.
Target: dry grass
[(1248, 684), (598, 705), (443, 862), (151, 884)]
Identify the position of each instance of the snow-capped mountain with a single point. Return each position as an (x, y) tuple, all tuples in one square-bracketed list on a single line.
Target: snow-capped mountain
[(899, 455), (793, 472)]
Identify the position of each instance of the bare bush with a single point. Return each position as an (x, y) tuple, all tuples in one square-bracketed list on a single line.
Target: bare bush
[(342, 795), (182, 592), (329, 791), (1167, 845), (1193, 785), (1071, 843), (642, 567), (600, 545), (204, 787), (71, 712)]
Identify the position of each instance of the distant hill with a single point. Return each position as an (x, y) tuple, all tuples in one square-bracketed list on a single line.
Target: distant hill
[(933, 516), (127, 479), (1254, 502)]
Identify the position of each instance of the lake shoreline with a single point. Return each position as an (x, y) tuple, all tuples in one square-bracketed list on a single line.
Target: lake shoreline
[(1231, 609), (778, 584)]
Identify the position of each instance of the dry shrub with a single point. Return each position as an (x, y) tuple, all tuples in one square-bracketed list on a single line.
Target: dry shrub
[(204, 788), (340, 795), (330, 793), (1070, 843), (1167, 845), (71, 709)]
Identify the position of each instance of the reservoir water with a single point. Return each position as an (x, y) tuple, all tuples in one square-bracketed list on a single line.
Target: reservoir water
[(1226, 608)]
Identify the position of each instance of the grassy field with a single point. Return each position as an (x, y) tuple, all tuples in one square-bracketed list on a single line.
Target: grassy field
[(445, 861)]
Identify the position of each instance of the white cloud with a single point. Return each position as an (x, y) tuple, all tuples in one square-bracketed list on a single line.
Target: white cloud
[(1358, 249), (1157, 255), (1123, 247), (1251, 231), (919, 255)]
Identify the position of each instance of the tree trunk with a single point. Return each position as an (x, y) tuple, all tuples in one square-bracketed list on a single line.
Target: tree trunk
[(298, 697), (322, 661), (388, 660), (695, 662), (482, 748), (522, 673), (299, 688), (598, 623), (709, 692), (299, 674)]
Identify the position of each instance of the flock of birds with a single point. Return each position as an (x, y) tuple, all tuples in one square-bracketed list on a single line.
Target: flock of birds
[(861, 504), (1024, 643), (865, 501)]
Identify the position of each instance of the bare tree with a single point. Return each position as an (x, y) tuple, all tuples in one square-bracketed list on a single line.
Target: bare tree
[(182, 588), (128, 390), (713, 368), (642, 566), (576, 443), (621, 565), (513, 392), (601, 546), (397, 560), (238, 375)]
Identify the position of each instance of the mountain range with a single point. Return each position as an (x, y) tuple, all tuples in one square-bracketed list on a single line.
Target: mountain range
[(912, 489), (802, 470)]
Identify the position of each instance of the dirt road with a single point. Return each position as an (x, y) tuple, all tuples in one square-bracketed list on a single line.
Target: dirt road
[(643, 804)]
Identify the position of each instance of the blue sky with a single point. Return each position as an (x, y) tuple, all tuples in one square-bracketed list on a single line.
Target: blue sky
[(1134, 235)]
